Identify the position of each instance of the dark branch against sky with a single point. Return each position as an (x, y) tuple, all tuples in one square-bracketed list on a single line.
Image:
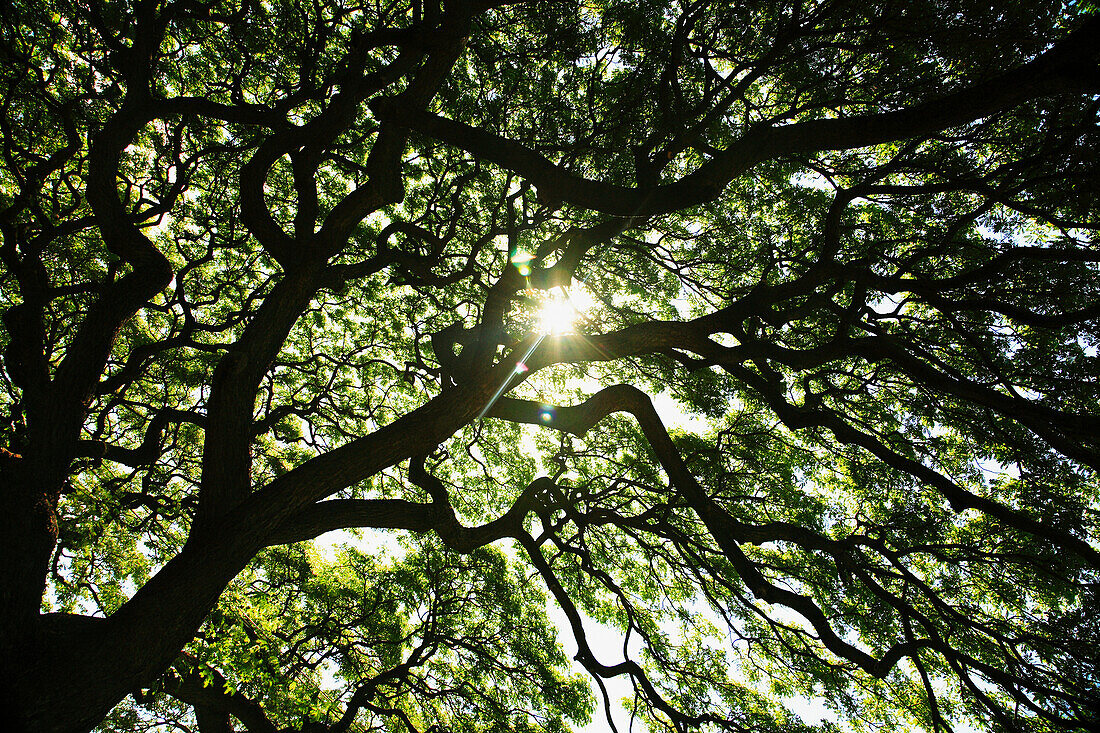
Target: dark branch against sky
[(276, 269)]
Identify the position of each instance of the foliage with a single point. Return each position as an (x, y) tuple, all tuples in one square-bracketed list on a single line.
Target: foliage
[(825, 427)]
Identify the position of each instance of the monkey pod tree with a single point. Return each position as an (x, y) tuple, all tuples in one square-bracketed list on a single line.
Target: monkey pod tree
[(424, 272)]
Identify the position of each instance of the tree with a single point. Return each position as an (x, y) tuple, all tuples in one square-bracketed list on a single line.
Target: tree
[(275, 269)]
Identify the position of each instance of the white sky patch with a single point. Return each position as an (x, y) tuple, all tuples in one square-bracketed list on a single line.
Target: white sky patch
[(377, 542), (995, 469), (812, 711), (673, 415), (606, 644), (811, 179)]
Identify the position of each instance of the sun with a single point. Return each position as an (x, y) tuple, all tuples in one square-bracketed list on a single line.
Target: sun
[(557, 316), (563, 309)]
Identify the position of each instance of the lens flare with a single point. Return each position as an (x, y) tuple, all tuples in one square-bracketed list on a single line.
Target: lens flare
[(521, 261)]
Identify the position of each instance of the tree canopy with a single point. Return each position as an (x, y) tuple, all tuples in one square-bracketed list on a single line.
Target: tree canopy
[(760, 336)]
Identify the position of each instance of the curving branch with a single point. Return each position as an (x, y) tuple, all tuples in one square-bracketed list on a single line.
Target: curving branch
[(1069, 67)]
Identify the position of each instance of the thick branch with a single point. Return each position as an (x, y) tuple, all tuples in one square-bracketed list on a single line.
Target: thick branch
[(1069, 67)]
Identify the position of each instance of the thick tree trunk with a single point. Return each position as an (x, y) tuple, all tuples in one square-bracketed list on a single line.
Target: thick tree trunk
[(28, 531), (61, 672), (64, 673), (67, 672)]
